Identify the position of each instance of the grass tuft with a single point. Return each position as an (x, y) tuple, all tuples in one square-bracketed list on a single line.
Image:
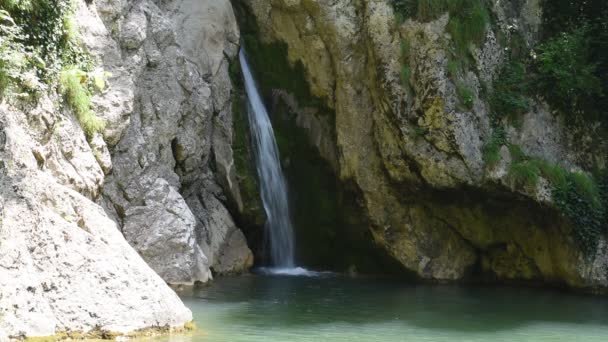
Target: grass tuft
[(525, 173), (491, 151), (72, 85)]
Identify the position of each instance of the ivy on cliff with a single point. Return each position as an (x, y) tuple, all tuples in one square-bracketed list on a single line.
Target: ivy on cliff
[(40, 48), (573, 63)]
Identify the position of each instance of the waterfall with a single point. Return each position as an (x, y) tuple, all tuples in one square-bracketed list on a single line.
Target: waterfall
[(272, 181)]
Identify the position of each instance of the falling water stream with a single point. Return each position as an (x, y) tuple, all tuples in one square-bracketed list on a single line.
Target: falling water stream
[(272, 181)]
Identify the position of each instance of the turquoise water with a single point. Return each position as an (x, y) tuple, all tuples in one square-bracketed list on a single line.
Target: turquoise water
[(290, 309)]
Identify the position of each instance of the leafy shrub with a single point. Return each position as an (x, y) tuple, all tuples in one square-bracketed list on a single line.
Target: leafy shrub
[(566, 71), (510, 88), (39, 41), (12, 54), (44, 33), (587, 22)]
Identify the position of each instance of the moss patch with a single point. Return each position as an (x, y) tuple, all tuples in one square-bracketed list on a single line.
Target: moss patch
[(100, 334)]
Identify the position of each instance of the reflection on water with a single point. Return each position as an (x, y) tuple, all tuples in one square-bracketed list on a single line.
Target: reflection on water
[(274, 308)]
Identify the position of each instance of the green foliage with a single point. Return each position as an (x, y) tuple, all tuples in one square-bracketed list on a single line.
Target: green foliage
[(580, 28), (468, 23), (468, 18), (517, 154), (466, 96), (405, 75), (560, 15), (582, 199), (39, 43), (13, 59), (555, 174), (454, 69), (11, 5), (508, 98), (586, 187), (578, 196), (73, 86), (44, 32), (491, 150), (38, 37), (525, 173), (567, 75), (584, 209)]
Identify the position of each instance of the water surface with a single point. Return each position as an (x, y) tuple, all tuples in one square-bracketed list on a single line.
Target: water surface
[(330, 308)]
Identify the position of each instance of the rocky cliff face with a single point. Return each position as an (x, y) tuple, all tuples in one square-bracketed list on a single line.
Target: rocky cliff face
[(69, 204), (172, 88), (411, 127), (64, 266)]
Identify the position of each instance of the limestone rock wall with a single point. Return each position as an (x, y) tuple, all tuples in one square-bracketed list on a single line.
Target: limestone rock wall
[(169, 107), (78, 214), (64, 265), (415, 152)]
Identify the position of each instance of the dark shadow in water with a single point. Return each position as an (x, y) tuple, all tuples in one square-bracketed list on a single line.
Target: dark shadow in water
[(298, 301)]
